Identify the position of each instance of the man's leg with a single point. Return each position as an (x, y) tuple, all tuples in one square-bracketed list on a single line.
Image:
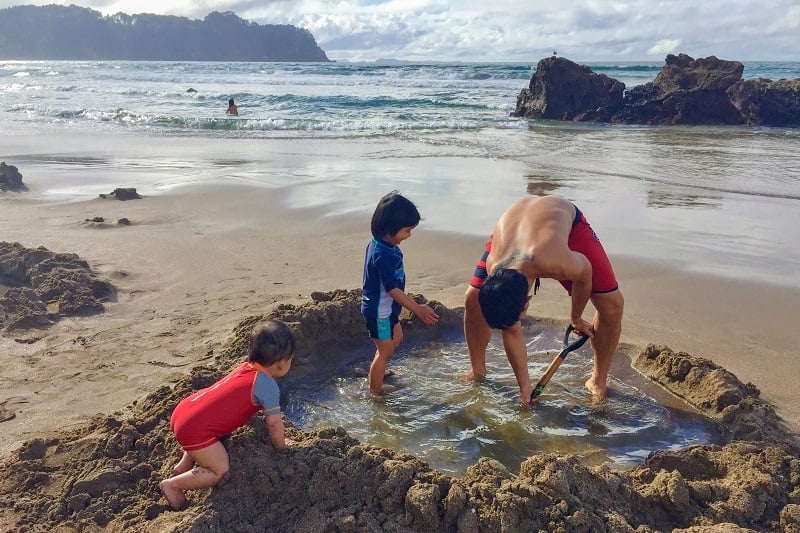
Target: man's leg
[(477, 334), (607, 325)]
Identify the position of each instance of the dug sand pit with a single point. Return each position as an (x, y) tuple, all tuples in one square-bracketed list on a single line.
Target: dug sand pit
[(104, 475)]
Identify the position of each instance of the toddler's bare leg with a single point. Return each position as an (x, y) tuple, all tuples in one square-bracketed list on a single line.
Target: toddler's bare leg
[(212, 464), (184, 465)]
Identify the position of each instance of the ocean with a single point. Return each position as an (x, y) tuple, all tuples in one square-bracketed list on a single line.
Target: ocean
[(721, 200)]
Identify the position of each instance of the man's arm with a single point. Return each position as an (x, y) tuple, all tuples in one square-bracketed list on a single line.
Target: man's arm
[(517, 353)]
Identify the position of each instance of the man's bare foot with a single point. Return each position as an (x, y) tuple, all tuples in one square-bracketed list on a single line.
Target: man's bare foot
[(471, 376), (175, 497), (599, 393), (364, 372)]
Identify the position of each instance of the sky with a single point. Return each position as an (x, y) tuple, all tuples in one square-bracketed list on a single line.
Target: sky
[(511, 30)]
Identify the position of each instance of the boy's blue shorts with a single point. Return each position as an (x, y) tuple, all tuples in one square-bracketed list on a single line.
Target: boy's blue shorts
[(381, 328)]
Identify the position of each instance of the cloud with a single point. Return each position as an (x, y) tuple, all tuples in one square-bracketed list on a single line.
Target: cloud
[(509, 30), (664, 46)]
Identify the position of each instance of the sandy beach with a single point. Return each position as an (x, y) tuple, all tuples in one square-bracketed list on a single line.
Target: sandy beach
[(267, 215), (197, 260), (86, 401)]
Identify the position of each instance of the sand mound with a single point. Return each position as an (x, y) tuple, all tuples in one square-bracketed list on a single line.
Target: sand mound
[(105, 474), (38, 286)]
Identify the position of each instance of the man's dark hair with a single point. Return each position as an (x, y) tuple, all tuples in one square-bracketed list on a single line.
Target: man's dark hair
[(270, 342), (393, 213), (503, 297)]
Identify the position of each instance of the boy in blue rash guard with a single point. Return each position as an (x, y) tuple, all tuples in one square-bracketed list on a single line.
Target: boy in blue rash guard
[(384, 282)]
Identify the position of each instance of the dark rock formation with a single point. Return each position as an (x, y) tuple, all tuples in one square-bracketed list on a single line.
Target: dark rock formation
[(563, 90), (10, 178), (686, 91), (122, 193), (681, 72), (43, 286), (73, 32), (761, 101)]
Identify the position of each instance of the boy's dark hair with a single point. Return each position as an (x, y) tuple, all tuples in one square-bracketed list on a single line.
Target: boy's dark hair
[(503, 296), (270, 342), (393, 213)]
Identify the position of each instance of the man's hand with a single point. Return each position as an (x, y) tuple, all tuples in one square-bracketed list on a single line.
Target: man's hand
[(525, 398), (582, 327)]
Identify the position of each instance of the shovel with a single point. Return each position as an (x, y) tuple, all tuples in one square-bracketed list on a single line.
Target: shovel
[(577, 343)]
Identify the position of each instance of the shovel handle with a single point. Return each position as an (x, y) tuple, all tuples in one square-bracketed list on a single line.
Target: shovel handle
[(577, 343), (568, 347)]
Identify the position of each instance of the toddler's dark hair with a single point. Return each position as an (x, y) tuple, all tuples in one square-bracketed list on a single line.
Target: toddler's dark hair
[(270, 342), (503, 296), (393, 213)]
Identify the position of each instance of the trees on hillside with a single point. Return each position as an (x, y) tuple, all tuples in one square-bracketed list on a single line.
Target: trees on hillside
[(73, 32)]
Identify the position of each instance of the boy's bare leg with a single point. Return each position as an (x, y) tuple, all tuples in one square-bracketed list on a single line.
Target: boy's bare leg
[(477, 334), (607, 325), (384, 351), (212, 464)]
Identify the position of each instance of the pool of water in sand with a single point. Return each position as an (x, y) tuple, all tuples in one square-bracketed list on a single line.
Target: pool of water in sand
[(449, 422)]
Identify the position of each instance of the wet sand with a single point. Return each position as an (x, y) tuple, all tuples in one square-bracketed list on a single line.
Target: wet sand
[(86, 402), (195, 261)]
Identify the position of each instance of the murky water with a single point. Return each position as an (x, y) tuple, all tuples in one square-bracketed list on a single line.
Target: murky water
[(450, 423)]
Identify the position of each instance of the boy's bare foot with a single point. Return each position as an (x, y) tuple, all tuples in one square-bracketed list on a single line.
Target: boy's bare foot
[(175, 497)]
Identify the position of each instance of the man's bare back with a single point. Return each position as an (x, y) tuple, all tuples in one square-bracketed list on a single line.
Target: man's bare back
[(531, 236)]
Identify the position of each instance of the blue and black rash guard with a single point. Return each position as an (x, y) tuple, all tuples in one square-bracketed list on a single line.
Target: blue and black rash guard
[(383, 271)]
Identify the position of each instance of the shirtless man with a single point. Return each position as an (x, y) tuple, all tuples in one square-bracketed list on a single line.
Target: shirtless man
[(542, 237)]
